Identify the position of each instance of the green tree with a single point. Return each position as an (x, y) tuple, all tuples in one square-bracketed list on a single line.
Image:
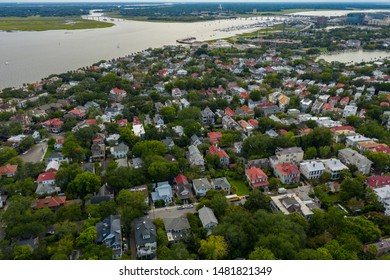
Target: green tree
[(190, 113), (214, 248), (256, 200), (149, 148), (86, 237), (85, 183), (72, 149), (260, 253), (66, 174), (23, 252), (310, 153), (168, 113), (6, 153), (128, 137), (381, 161), (352, 187)]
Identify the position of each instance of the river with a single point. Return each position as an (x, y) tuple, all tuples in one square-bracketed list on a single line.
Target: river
[(27, 57), (355, 56)]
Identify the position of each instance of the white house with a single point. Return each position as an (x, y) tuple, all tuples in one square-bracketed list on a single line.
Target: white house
[(312, 169), (138, 130), (120, 151), (349, 110)]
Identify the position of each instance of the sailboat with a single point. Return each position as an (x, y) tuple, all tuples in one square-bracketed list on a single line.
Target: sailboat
[(6, 63)]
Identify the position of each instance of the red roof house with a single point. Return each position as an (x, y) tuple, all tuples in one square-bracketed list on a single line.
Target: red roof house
[(288, 173), (181, 179), (47, 178), (378, 181), (8, 170), (53, 125), (52, 202), (214, 137), (223, 156)]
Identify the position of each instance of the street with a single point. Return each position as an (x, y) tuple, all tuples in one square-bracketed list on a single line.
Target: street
[(36, 153)]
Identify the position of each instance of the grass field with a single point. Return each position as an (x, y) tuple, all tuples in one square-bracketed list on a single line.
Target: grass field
[(49, 23), (241, 187)]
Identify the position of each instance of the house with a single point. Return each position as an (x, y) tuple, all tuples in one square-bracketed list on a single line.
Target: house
[(158, 120), (349, 110), (104, 194), (183, 189), (56, 156), (177, 229), (245, 126), (339, 132), (207, 218), (214, 137), (305, 104), (23, 119), (109, 232), (47, 183), (145, 237), (353, 140), (162, 191), (289, 155), (117, 94), (223, 156), (3, 199), (201, 186), (168, 141), (53, 166), (290, 203), (137, 162), (88, 167), (139, 130), (312, 169), (113, 139), (122, 122), (334, 167), (287, 173), (207, 116), (53, 125), (256, 177), (53, 203), (195, 158), (78, 113), (179, 130), (120, 151), (351, 157), (98, 150), (59, 143), (8, 170), (221, 184), (196, 140), (383, 195)]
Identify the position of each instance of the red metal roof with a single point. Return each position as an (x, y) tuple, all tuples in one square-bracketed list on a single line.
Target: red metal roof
[(47, 176)]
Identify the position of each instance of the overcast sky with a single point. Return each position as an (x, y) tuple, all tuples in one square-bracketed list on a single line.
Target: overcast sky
[(183, 1)]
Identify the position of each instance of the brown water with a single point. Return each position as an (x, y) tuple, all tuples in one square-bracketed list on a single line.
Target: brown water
[(26, 57)]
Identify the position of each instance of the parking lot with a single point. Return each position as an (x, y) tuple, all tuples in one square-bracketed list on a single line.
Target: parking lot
[(170, 212)]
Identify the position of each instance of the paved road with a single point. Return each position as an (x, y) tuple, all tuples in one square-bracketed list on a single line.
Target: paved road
[(170, 212), (36, 153)]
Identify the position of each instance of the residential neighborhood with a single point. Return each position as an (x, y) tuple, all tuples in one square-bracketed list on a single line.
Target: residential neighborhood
[(258, 150)]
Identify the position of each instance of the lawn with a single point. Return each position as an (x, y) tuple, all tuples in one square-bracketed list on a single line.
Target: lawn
[(37, 23), (241, 187)]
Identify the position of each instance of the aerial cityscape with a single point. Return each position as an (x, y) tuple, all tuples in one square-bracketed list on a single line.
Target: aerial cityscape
[(195, 131)]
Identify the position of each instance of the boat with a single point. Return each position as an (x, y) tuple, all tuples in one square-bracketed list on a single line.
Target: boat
[(6, 63)]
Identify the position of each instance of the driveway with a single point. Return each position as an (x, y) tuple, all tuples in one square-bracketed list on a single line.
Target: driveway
[(36, 153), (170, 212)]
